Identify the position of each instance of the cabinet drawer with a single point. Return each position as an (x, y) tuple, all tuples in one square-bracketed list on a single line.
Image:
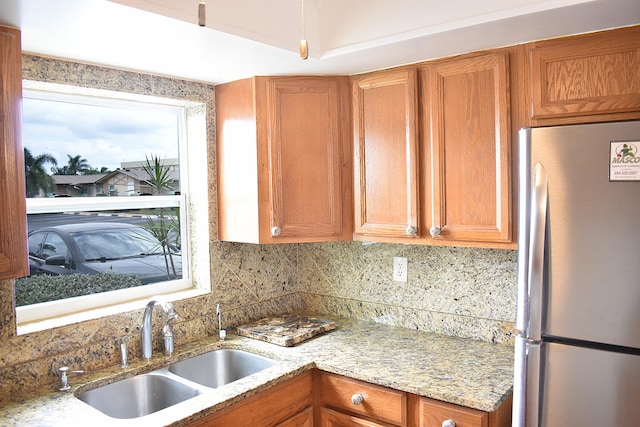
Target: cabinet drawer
[(330, 418), (432, 413), (379, 402)]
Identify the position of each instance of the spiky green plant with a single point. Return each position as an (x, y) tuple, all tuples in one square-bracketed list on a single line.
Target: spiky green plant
[(158, 174)]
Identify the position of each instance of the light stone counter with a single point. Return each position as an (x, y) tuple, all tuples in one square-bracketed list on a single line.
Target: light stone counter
[(461, 371)]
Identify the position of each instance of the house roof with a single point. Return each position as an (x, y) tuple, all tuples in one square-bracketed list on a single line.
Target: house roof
[(77, 179), (137, 174)]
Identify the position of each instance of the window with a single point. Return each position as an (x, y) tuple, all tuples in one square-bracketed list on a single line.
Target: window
[(138, 238)]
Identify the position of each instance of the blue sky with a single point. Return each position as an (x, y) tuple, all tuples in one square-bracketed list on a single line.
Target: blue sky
[(104, 136)]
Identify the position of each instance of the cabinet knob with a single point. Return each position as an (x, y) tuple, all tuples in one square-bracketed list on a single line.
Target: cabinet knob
[(448, 423), (435, 231), (275, 231), (411, 230), (357, 398)]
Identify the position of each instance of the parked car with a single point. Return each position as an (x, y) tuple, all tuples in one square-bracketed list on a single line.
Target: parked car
[(101, 247)]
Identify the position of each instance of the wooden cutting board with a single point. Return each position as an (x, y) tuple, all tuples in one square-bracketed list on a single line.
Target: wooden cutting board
[(287, 330)]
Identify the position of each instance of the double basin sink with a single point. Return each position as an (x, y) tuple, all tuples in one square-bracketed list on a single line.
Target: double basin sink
[(147, 393)]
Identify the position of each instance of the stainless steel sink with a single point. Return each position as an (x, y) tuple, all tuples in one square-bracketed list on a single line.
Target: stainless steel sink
[(219, 367), (138, 396)]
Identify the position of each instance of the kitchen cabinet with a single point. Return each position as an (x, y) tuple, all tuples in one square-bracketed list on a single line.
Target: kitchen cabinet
[(13, 218), (347, 402), (385, 166), (284, 160), (432, 153), (434, 413), (465, 119), (585, 78), (287, 404)]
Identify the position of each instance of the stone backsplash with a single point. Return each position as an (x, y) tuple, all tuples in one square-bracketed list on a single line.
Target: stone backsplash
[(455, 291)]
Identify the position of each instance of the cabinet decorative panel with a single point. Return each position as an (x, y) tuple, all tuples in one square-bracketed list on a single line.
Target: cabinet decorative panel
[(588, 75), (13, 219)]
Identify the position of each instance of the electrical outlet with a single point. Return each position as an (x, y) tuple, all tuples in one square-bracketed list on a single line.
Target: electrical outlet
[(399, 269)]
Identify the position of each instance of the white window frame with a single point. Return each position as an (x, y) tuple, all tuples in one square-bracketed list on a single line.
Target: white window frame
[(192, 201)]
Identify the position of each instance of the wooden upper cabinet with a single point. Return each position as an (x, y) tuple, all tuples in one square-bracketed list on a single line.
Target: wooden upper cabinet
[(385, 166), (586, 78), (284, 160), (467, 151), (13, 219)]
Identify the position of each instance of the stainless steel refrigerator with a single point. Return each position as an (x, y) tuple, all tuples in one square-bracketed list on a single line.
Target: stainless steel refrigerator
[(577, 349)]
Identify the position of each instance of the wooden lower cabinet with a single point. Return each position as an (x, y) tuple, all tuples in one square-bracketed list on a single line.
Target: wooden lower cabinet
[(287, 404), (322, 399)]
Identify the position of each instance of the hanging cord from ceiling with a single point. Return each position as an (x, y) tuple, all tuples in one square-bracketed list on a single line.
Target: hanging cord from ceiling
[(304, 48), (202, 14)]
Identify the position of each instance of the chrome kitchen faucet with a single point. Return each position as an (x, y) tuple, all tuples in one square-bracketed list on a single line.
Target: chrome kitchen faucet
[(145, 330)]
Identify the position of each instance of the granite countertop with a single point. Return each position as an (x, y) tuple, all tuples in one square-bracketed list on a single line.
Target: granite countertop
[(470, 373)]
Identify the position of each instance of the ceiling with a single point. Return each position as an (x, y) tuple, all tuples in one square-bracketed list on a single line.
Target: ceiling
[(261, 37)]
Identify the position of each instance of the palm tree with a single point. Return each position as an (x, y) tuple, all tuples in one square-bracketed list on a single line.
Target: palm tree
[(76, 165), (36, 178)]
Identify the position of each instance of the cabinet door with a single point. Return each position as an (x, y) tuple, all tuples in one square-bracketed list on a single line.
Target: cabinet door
[(279, 404), (308, 160), (329, 418), (466, 119), (13, 219), (585, 77), (386, 154), (303, 419)]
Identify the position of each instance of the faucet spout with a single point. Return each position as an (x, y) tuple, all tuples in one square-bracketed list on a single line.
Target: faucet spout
[(145, 330)]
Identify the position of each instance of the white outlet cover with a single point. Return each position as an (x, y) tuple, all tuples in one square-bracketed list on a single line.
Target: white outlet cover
[(399, 269)]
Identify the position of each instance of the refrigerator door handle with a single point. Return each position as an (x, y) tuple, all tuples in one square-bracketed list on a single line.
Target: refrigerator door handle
[(526, 388), (538, 223)]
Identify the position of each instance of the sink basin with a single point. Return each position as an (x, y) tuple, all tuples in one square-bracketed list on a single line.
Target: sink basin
[(137, 396), (219, 367)]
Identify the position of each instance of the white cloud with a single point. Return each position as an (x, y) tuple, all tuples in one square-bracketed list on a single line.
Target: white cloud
[(104, 136)]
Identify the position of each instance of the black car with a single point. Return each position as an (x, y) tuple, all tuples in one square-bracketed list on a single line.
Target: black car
[(101, 247)]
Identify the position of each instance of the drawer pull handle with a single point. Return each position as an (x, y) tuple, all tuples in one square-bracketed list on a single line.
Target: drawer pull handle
[(448, 423), (357, 398)]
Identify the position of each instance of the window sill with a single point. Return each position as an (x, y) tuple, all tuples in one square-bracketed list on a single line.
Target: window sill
[(112, 310)]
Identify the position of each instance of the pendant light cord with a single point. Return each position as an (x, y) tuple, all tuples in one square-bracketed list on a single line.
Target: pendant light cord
[(304, 48)]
